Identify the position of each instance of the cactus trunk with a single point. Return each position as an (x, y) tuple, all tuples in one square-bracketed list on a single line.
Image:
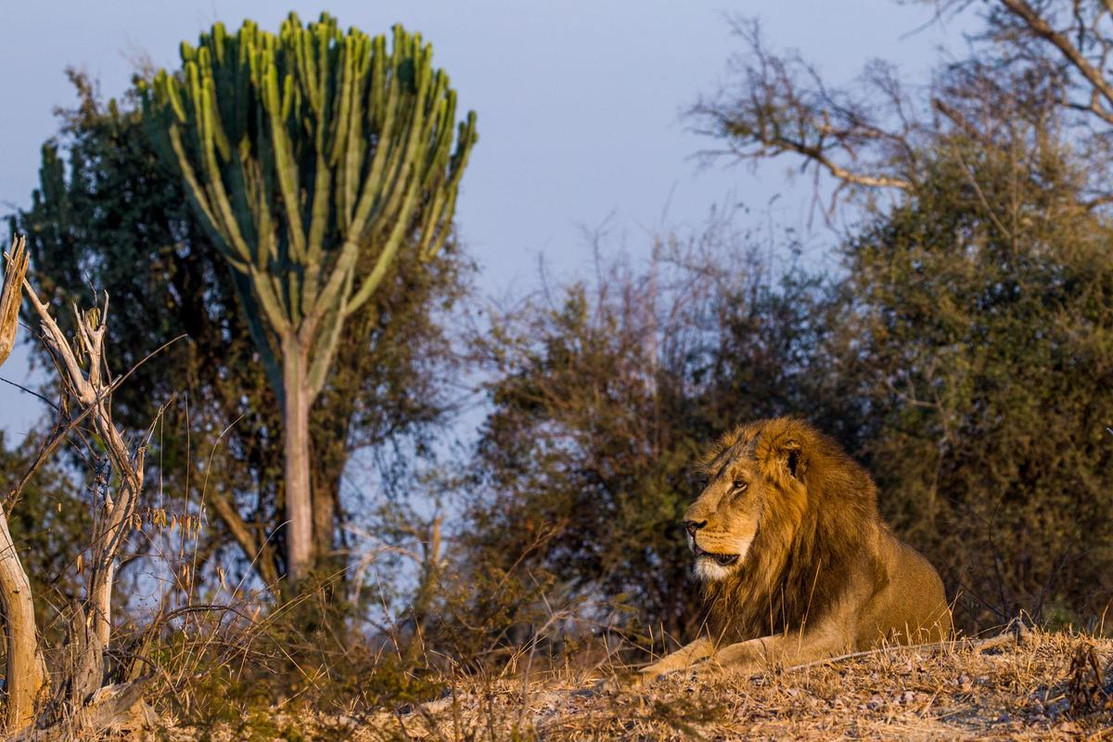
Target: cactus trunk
[(297, 399)]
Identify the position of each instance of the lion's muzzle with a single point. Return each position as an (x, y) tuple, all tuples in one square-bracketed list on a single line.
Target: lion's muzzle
[(723, 560)]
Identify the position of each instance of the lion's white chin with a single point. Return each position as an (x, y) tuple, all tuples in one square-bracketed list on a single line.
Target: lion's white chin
[(708, 570)]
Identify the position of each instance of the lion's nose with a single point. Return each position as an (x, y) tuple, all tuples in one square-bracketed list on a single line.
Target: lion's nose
[(691, 526)]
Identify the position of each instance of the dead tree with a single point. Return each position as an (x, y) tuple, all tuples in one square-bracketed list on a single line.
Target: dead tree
[(79, 702), (26, 673)]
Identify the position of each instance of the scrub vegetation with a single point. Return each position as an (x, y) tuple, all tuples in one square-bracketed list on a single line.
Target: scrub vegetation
[(261, 508)]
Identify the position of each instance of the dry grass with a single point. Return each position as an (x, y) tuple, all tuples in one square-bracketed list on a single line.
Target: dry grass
[(1038, 686)]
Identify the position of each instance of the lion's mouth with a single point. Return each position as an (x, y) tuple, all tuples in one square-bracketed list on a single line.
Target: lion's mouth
[(723, 560)]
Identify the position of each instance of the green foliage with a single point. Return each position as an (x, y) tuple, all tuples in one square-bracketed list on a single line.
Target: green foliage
[(983, 313), (603, 403), (965, 355), (116, 222), (312, 158), (108, 215)]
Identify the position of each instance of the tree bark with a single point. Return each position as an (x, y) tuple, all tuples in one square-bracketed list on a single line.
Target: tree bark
[(430, 574), (324, 526), (100, 599), (26, 672), (297, 398), (255, 547)]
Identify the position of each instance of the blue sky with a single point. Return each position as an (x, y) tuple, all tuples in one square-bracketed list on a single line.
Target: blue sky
[(579, 106)]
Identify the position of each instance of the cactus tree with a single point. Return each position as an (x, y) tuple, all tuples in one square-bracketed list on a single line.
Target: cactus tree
[(313, 157)]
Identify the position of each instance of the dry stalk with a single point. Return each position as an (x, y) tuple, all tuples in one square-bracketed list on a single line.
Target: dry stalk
[(1014, 633)]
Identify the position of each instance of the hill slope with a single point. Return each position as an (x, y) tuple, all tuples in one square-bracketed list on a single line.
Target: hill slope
[(1032, 686)]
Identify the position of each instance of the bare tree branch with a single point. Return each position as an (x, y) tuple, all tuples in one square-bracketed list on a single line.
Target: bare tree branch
[(11, 296), (1070, 51), (782, 105)]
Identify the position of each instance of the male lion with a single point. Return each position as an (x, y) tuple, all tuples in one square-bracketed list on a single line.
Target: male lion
[(796, 563)]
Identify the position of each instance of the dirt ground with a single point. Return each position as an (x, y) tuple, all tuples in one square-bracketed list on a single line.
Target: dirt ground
[(1031, 686)]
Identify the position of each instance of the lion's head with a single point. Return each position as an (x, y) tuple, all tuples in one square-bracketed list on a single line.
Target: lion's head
[(782, 502)]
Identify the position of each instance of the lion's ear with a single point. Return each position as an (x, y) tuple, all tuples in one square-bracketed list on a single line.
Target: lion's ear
[(792, 454), (782, 454)]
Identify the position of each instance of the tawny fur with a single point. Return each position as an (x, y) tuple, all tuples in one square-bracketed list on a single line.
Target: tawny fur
[(819, 564)]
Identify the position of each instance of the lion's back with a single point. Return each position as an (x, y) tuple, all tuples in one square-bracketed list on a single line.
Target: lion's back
[(909, 606)]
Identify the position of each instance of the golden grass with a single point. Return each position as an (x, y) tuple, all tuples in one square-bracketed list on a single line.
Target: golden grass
[(1038, 686)]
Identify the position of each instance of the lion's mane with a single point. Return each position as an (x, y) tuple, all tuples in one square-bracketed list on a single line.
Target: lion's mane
[(808, 535)]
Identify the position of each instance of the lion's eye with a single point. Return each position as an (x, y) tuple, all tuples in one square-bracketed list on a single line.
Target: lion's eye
[(740, 485)]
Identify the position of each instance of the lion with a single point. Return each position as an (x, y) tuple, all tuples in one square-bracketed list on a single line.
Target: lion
[(795, 562)]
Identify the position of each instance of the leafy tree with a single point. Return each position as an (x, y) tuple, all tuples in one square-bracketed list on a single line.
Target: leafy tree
[(602, 403), (975, 315), (107, 214), (964, 352), (312, 157), (983, 308)]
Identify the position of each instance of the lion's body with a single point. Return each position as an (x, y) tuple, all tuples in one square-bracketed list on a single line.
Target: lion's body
[(796, 562)]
